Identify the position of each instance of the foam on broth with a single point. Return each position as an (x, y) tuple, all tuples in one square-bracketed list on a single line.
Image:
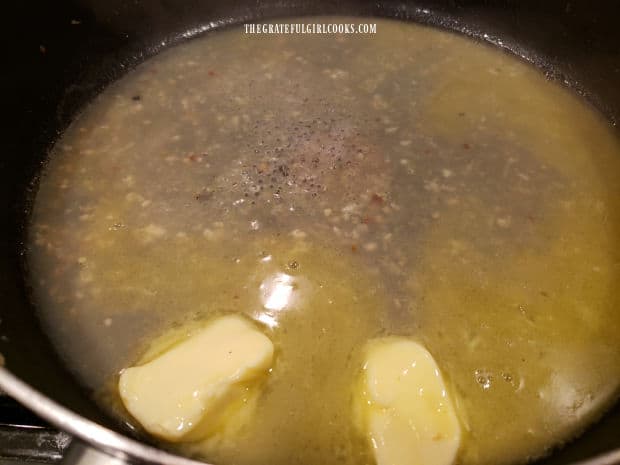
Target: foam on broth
[(416, 182)]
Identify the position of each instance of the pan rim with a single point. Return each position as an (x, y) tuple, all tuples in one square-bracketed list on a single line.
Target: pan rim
[(119, 445), (88, 431)]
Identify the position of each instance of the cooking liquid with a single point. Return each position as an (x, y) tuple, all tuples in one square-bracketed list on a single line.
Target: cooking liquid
[(335, 189)]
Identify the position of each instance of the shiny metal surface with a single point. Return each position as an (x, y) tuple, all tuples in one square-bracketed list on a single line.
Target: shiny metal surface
[(124, 449), (81, 454), (19, 462), (112, 448)]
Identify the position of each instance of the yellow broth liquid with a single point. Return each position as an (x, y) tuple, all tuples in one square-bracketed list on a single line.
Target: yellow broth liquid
[(412, 182)]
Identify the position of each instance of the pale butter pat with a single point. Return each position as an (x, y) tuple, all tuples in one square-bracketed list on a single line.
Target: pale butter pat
[(183, 392), (406, 410)]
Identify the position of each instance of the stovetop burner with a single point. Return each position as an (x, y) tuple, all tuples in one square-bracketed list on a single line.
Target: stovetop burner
[(25, 438)]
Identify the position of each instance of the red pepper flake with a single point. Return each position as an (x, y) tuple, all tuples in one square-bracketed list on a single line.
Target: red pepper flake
[(377, 199), (198, 157), (211, 73), (466, 146), (353, 248), (367, 220)]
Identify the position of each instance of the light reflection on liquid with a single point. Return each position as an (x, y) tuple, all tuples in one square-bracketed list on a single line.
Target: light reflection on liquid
[(277, 293)]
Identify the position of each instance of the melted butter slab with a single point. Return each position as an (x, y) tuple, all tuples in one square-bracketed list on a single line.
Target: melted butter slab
[(407, 412), (182, 393)]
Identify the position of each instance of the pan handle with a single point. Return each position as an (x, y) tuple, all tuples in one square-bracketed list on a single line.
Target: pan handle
[(80, 453)]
